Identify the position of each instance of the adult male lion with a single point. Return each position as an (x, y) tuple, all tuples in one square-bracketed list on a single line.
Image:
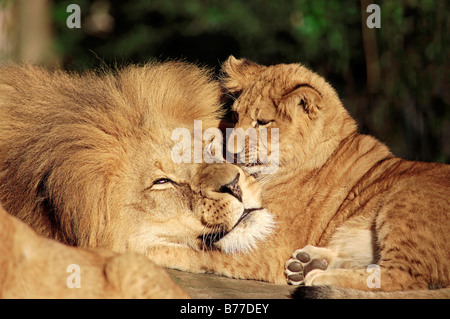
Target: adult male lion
[(87, 160)]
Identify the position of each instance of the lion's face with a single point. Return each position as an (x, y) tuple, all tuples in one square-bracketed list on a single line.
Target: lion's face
[(300, 104), (89, 160), (203, 206)]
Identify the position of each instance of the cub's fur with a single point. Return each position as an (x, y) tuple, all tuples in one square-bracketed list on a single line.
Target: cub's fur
[(339, 190)]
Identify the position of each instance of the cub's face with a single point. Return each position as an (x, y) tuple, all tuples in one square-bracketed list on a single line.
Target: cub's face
[(284, 105)]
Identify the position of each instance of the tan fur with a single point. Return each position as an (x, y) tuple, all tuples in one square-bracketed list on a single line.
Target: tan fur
[(87, 160), (341, 190), (35, 267), (165, 221)]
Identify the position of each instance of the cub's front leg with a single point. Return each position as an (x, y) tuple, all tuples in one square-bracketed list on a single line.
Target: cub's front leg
[(260, 264), (317, 266), (187, 259)]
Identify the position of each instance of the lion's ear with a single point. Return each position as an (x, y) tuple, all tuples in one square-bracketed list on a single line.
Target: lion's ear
[(302, 97), (239, 73)]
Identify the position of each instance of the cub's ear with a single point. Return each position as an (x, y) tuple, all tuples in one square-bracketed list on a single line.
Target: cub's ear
[(238, 74), (302, 97)]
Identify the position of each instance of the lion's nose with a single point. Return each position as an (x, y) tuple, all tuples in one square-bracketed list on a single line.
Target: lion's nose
[(233, 188)]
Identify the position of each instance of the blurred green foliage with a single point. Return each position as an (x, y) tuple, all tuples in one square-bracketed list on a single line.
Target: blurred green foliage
[(409, 110)]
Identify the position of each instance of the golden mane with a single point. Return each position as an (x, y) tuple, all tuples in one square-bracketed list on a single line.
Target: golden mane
[(73, 134)]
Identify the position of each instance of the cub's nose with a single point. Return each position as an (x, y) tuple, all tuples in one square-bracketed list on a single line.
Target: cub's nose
[(233, 188)]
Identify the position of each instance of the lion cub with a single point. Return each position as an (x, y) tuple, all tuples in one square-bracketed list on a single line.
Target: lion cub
[(368, 220)]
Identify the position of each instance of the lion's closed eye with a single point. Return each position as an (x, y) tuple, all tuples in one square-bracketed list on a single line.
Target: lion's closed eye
[(161, 183)]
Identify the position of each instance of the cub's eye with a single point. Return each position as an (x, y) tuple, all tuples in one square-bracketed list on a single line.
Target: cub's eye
[(263, 122)]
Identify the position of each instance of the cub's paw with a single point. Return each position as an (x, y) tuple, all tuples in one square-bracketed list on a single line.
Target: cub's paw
[(304, 261)]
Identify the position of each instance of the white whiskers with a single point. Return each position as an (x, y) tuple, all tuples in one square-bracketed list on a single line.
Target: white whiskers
[(246, 236)]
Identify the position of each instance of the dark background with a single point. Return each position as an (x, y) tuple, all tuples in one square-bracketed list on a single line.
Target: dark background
[(393, 80)]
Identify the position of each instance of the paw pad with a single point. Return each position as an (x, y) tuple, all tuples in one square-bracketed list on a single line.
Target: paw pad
[(300, 264)]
